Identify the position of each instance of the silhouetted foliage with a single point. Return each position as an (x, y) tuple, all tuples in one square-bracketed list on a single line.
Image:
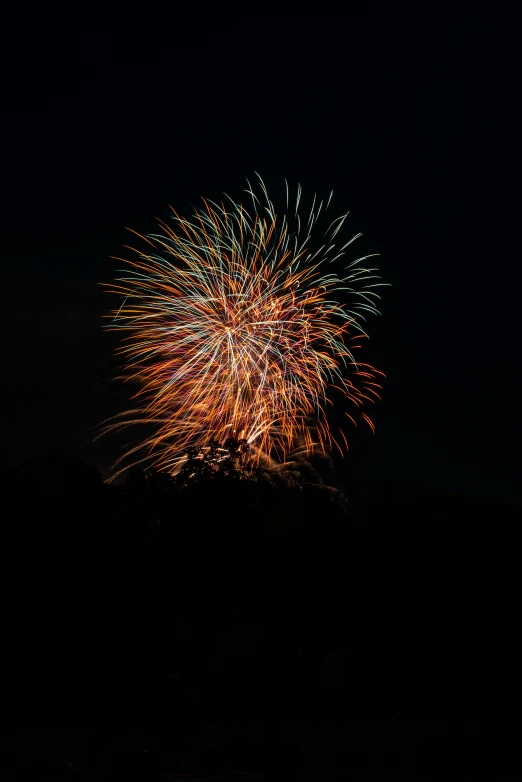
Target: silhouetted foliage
[(394, 582), (230, 459)]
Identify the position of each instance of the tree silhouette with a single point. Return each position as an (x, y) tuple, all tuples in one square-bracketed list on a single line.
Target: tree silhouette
[(230, 459), (104, 574)]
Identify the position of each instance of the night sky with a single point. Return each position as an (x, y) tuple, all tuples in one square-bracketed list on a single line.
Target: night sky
[(104, 131)]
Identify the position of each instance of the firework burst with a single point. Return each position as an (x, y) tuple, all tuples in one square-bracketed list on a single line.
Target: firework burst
[(236, 327)]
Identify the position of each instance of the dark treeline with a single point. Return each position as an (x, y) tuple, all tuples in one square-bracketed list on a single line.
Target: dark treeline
[(158, 601)]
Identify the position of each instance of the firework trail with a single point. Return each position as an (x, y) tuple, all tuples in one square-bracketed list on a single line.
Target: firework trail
[(236, 325)]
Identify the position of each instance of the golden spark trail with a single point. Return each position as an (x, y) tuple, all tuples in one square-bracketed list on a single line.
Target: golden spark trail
[(233, 326)]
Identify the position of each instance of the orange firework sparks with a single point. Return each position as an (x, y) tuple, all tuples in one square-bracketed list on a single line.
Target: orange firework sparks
[(233, 326)]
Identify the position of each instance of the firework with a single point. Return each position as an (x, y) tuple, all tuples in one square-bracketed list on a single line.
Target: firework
[(236, 325)]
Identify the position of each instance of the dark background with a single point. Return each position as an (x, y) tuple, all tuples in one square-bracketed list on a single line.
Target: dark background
[(406, 607), (400, 117)]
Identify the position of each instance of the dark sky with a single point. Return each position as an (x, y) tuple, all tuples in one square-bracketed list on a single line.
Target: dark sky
[(104, 130)]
